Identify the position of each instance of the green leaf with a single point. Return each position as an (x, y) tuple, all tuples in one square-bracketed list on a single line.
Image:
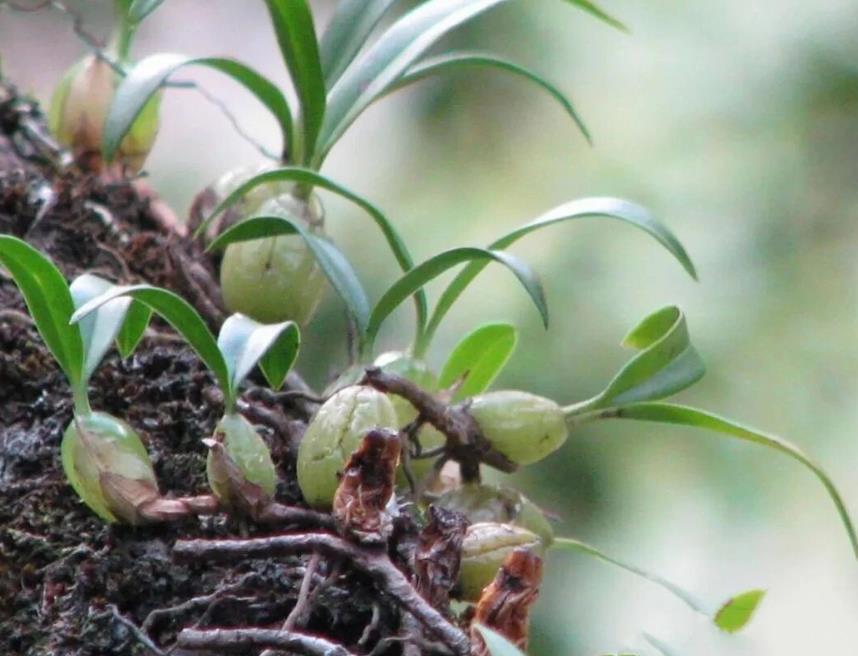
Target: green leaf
[(243, 342), (333, 263), (496, 643), (99, 329), (667, 362), (455, 60), (149, 74), (379, 67), (435, 266), (609, 208), (571, 544), (737, 612), (347, 32), (593, 10), (478, 359), (49, 301), (296, 35), (179, 314), (133, 329), (141, 9), (683, 415), (308, 177)]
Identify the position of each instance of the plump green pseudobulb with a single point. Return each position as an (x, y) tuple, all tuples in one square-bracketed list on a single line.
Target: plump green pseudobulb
[(79, 108), (498, 504), (333, 434), (524, 427), (250, 454), (96, 444), (276, 278), (484, 549)]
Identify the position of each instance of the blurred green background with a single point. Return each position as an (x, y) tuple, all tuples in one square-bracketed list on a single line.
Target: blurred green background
[(734, 122)]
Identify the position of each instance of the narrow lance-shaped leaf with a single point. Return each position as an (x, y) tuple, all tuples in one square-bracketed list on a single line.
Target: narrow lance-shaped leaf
[(457, 60), (497, 644), (594, 10), (149, 74), (347, 32), (49, 301), (179, 314), (333, 263), (736, 604), (243, 342), (296, 36), (435, 266), (668, 413), (478, 358), (667, 362), (609, 208), (738, 611), (570, 544), (376, 69), (100, 328)]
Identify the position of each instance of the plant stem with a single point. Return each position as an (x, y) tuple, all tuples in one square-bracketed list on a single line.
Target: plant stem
[(81, 401), (124, 30)]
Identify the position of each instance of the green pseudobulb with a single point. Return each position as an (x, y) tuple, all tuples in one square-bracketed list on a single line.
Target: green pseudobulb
[(275, 279), (98, 443), (79, 108), (334, 433), (250, 454), (484, 549), (522, 426)]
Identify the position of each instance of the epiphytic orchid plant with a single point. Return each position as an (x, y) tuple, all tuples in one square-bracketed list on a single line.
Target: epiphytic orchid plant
[(239, 467)]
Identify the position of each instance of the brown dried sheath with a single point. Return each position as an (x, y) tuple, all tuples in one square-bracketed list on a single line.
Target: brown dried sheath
[(438, 557), (505, 603), (360, 506)]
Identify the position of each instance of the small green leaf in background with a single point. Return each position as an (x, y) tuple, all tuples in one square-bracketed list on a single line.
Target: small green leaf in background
[(333, 263), (737, 612), (457, 60), (666, 364), (141, 9), (296, 36), (179, 314), (669, 413), (497, 644), (347, 32), (243, 342), (149, 74), (426, 271), (608, 208), (478, 359), (49, 301)]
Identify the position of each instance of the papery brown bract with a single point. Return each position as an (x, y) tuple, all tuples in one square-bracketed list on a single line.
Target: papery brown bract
[(504, 605), (438, 557), (361, 505)]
